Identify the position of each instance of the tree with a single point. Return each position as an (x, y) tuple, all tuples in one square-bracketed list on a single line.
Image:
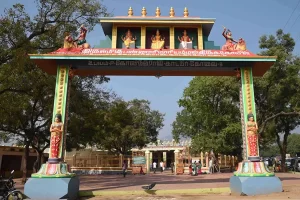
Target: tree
[(293, 146), (127, 125), (87, 107), (210, 115), (277, 92), (20, 80), (28, 116)]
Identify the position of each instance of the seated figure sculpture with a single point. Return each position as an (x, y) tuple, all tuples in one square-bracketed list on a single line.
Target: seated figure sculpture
[(158, 42), (185, 41), (129, 40), (68, 41), (241, 45)]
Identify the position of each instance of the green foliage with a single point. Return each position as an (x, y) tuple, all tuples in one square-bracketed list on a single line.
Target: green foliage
[(127, 125), (26, 92), (293, 144), (277, 92), (210, 115)]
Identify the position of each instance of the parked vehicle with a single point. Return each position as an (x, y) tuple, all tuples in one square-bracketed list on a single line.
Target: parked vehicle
[(296, 165), (289, 162), (7, 189)]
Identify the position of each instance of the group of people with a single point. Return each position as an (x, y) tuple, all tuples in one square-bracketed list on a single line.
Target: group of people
[(195, 168), (162, 166)]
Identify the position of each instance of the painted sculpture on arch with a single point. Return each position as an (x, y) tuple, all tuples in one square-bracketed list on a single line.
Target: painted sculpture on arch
[(241, 45), (158, 42), (81, 41), (232, 44), (185, 40), (128, 40), (56, 130), (68, 41), (252, 135)]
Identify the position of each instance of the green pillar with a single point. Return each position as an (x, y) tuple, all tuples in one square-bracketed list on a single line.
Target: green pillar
[(251, 166), (55, 167), (248, 102)]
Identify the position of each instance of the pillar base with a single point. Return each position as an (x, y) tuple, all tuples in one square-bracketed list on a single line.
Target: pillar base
[(253, 169), (52, 188), (250, 186), (50, 170)]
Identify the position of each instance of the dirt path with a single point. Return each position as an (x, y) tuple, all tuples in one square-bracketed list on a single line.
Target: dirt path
[(290, 192)]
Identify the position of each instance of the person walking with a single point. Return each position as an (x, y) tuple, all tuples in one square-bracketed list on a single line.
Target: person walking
[(172, 167), (124, 168), (210, 165), (161, 164), (154, 165)]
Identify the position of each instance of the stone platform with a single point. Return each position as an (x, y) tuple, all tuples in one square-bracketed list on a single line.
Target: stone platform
[(52, 188)]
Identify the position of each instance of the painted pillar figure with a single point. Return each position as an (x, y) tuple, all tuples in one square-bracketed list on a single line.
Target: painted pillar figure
[(59, 110), (56, 130), (251, 165), (55, 167), (249, 115)]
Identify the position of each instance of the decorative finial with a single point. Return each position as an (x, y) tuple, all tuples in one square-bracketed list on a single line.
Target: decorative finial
[(172, 12), (185, 12), (144, 12), (130, 12), (157, 13)]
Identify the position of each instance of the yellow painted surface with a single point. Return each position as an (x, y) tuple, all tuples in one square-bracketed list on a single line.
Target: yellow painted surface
[(172, 35), (200, 38), (143, 37), (179, 21), (114, 37)]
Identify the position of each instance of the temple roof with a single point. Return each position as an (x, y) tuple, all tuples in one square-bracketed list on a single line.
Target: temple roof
[(207, 23)]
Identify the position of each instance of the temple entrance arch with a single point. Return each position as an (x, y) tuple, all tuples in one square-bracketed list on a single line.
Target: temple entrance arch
[(149, 52)]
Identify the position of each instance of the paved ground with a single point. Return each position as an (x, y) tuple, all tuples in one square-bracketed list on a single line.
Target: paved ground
[(111, 187)]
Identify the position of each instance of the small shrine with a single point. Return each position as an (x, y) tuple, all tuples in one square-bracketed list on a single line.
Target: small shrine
[(158, 32)]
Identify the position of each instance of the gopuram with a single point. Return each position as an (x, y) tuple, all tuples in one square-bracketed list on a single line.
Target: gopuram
[(142, 45)]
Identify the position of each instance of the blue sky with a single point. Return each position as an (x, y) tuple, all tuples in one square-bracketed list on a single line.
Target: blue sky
[(247, 19)]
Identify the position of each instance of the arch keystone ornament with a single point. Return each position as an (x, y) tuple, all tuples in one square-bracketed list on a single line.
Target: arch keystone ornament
[(156, 52)]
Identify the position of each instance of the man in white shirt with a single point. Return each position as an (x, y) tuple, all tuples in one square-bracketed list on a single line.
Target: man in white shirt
[(210, 165), (161, 166), (154, 165)]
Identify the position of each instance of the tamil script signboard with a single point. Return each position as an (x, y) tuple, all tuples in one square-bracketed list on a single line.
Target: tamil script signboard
[(157, 53), (155, 63), (139, 160)]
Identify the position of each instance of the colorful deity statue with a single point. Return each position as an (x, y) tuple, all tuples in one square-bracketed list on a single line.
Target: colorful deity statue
[(252, 135), (185, 40), (128, 39), (81, 41), (158, 42), (230, 42), (56, 130), (68, 41), (241, 45)]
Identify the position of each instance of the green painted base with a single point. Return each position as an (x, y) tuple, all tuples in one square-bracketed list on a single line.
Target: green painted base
[(48, 170), (252, 169)]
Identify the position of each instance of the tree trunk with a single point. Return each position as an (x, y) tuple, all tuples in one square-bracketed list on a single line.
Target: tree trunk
[(284, 148), (40, 154), (37, 163), (25, 159)]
